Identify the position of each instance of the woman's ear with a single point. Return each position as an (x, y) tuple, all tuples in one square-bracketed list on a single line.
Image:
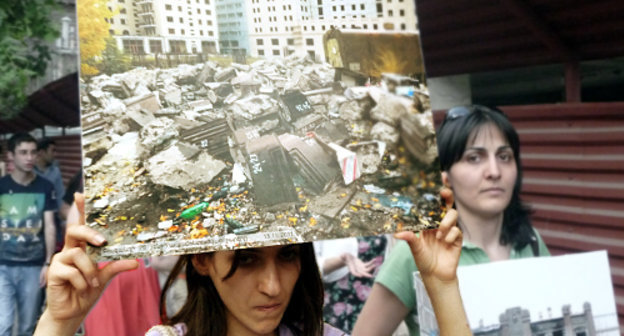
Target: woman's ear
[(446, 181), (202, 263)]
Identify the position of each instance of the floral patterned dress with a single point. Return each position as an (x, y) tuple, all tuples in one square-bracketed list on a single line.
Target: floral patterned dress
[(345, 298)]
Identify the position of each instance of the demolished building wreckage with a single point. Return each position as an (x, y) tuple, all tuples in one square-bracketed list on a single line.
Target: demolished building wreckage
[(204, 157)]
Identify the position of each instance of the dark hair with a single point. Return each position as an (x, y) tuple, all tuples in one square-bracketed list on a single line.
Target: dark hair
[(454, 135), (205, 314), (18, 138), (44, 143)]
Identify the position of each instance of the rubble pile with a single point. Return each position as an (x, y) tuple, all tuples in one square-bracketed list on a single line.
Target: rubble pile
[(200, 151)]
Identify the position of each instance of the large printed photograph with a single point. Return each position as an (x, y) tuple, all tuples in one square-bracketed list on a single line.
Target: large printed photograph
[(215, 125), (565, 295)]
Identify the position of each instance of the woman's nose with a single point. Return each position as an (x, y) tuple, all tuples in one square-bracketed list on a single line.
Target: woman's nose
[(493, 170), (269, 280)]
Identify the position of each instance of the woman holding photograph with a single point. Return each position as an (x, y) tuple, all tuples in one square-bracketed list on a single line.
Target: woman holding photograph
[(273, 290), (480, 160)]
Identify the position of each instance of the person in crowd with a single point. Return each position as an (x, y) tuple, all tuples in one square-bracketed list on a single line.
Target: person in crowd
[(76, 184), (261, 291), (27, 206), (480, 162), (348, 267), (47, 167)]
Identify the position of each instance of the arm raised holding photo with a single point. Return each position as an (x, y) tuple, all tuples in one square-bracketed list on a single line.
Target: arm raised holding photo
[(436, 253), (74, 281)]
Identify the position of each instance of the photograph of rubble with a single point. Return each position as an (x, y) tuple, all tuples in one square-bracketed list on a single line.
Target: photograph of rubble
[(306, 128)]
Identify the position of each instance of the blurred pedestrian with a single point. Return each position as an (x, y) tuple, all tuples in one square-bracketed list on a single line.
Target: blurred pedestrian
[(27, 206)]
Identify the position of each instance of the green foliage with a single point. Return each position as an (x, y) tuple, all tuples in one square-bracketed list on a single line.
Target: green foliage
[(25, 30), (113, 60)]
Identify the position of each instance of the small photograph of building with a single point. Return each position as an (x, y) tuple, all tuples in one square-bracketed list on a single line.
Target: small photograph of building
[(548, 296)]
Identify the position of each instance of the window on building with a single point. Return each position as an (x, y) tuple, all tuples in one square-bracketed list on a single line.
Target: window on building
[(208, 12), (260, 52), (311, 53), (365, 26), (310, 42), (334, 8), (182, 31), (122, 11), (276, 52), (111, 32), (122, 1), (112, 20), (209, 22), (168, 7), (290, 41), (179, 8), (275, 41), (390, 12), (342, 7), (210, 33), (374, 26), (155, 46), (362, 7), (201, 32), (171, 31), (207, 2), (123, 21), (352, 7), (169, 18), (181, 20), (402, 12)]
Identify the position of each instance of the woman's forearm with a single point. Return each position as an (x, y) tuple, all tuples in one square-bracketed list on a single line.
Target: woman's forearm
[(47, 325), (448, 307)]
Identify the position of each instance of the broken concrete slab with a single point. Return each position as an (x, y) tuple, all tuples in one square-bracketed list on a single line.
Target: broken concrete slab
[(225, 75), (149, 102), (178, 167), (390, 108), (386, 133)]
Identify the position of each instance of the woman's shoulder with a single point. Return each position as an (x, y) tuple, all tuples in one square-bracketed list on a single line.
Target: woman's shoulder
[(178, 329)]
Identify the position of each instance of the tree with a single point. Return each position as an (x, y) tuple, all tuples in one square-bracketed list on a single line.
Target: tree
[(25, 30), (93, 26), (113, 60)]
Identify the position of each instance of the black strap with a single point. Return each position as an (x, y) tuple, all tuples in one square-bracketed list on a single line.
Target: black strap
[(534, 244)]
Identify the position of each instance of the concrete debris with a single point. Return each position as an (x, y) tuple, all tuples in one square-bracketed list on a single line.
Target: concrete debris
[(390, 108), (171, 96), (275, 144), (178, 167), (386, 133), (157, 133)]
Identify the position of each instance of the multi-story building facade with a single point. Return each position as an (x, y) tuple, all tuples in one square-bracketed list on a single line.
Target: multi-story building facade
[(164, 26), (233, 29), (299, 25)]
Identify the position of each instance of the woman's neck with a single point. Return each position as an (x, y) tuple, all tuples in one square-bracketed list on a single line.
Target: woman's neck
[(484, 232)]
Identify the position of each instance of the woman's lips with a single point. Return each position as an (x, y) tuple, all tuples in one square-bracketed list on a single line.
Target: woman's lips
[(269, 307)]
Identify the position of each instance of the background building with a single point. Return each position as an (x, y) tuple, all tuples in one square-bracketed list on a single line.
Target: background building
[(153, 27), (233, 28), (517, 321)]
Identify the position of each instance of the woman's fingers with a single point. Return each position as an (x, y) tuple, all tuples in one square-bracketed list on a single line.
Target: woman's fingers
[(454, 236), (116, 267), (77, 235), (447, 195), (77, 258), (65, 273)]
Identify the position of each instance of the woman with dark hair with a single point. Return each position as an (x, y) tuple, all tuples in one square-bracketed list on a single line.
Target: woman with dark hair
[(480, 160), (273, 290)]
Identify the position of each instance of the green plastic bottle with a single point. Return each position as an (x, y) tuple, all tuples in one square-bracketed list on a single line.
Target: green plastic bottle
[(194, 210)]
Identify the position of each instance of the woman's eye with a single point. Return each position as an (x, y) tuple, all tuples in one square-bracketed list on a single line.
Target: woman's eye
[(473, 158), (246, 259), (289, 254), (505, 157)]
